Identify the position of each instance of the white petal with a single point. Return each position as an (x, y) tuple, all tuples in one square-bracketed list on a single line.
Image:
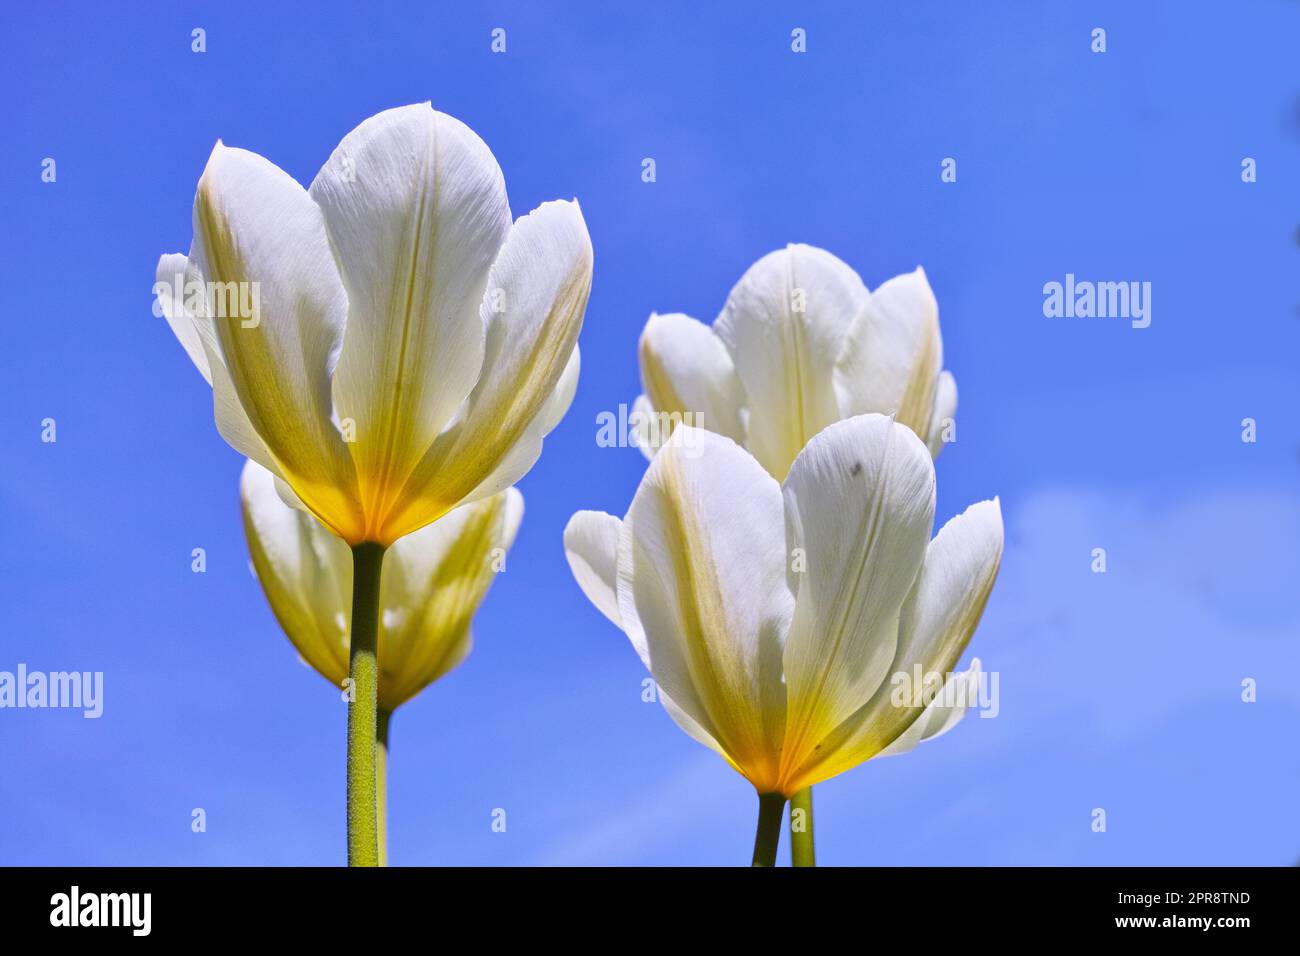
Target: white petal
[(859, 504), (287, 495), (691, 727), (557, 406), (702, 586), (784, 325), (232, 421), (521, 458), (305, 573), (647, 436), (942, 714), (945, 409), (533, 308), (543, 273), (954, 583), (433, 582), (169, 284), (591, 546), (893, 353), (942, 610), (260, 241), (688, 376), (194, 329), (513, 517), (422, 552), (416, 210)]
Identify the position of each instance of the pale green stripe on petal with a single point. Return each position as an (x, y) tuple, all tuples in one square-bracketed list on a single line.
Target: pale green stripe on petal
[(543, 276), (415, 206)]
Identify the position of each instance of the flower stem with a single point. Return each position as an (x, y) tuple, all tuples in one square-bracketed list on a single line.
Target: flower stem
[(768, 834), (802, 852), (363, 822), (381, 780)]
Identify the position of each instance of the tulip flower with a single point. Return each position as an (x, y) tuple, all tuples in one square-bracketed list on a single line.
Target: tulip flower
[(434, 580), (387, 343), (800, 344), (775, 617)]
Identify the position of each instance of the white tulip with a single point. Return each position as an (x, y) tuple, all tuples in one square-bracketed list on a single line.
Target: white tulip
[(800, 344), (400, 347), (774, 616), (388, 343)]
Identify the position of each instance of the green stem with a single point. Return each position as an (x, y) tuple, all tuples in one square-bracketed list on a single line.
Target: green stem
[(363, 822), (381, 780), (802, 852), (768, 834)]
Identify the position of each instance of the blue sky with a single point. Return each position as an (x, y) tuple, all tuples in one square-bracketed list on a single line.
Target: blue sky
[(1120, 691)]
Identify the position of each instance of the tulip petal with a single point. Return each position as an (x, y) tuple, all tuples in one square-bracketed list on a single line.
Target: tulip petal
[(948, 597), (784, 325), (644, 432), (416, 210), (936, 623), (287, 495), (859, 503), (169, 285), (591, 547), (537, 293), (260, 242), (557, 405), (692, 727), (525, 452), (195, 331), (702, 586), (433, 582), (305, 572), (688, 376), (945, 409), (942, 714), (893, 354)]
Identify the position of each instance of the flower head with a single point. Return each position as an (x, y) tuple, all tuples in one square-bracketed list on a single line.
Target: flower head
[(773, 616), (800, 344), (434, 580), (396, 345)]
